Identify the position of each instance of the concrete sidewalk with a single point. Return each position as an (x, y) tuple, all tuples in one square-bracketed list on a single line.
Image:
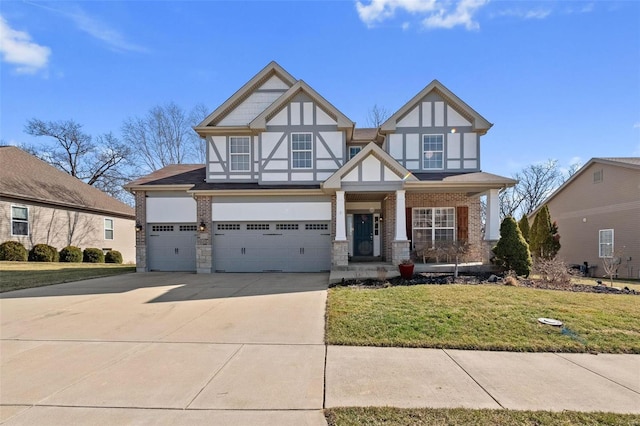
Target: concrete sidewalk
[(248, 349)]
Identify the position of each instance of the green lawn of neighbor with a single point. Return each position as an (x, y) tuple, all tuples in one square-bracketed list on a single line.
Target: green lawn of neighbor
[(483, 317), (19, 275)]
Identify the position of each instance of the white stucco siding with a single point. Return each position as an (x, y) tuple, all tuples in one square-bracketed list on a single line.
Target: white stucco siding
[(274, 83), (470, 145), (455, 119), (322, 118), (438, 114), (289, 211), (352, 176), (426, 114), (470, 164), (215, 167), (413, 146), (171, 209), (269, 142), (453, 164), (453, 145), (304, 177), (220, 144), (275, 177), (307, 113), (411, 119), (395, 146), (280, 119), (294, 108), (322, 176), (326, 165), (277, 165), (334, 142), (390, 176), (249, 109), (371, 169)]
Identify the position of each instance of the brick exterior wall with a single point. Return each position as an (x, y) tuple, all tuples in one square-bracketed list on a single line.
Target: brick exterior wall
[(204, 242), (141, 237)]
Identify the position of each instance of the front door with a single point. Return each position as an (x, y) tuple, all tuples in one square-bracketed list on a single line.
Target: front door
[(363, 235)]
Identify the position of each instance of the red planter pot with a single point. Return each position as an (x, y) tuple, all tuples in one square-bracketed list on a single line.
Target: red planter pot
[(406, 271)]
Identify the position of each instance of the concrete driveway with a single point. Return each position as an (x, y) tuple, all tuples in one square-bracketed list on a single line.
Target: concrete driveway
[(162, 348)]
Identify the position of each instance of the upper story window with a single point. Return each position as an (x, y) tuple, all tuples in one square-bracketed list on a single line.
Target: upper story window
[(108, 229), (605, 243), (301, 151), (353, 151), (240, 153), (19, 220), (432, 151)]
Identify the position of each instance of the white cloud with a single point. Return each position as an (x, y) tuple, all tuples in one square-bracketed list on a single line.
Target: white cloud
[(434, 13), (18, 49), (636, 125), (525, 14)]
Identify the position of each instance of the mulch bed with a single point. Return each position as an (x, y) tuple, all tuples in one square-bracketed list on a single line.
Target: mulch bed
[(485, 279)]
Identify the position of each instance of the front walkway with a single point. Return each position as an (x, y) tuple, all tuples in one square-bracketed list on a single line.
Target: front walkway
[(248, 349)]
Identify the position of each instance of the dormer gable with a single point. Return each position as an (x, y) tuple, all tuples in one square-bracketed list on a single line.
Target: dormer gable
[(251, 99), (413, 114)]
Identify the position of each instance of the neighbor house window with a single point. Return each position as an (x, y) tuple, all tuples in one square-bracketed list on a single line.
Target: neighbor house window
[(597, 176), (605, 243), (432, 151), (301, 150), (19, 220), (240, 153), (433, 224), (108, 229), (353, 151)]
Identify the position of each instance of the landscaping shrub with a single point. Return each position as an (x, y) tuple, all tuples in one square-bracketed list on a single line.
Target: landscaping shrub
[(512, 251), (71, 254), (113, 256), (43, 253), (93, 255), (544, 238), (13, 251)]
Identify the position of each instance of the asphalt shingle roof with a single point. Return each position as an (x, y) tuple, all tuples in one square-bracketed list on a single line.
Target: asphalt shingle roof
[(25, 177)]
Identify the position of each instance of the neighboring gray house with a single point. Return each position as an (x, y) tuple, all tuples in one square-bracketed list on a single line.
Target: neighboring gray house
[(40, 204), (291, 184), (598, 215)]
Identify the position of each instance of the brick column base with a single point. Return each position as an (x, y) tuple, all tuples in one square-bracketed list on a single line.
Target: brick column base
[(400, 250), (141, 258), (339, 254)]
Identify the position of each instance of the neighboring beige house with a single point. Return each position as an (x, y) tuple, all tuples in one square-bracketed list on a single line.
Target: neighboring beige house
[(598, 215), (41, 204), (291, 184)]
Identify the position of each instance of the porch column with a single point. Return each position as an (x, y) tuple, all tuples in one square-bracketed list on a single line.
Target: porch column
[(492, 231), (401, 219), (340, 245), (341, 229), (400, 249)]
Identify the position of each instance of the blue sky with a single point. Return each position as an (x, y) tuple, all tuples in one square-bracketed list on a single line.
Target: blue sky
[(559, 79)]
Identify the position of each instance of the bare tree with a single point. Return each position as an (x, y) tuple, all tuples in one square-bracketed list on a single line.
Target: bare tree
[(165, 136), (102, 163), (611, 264), (377, 115)]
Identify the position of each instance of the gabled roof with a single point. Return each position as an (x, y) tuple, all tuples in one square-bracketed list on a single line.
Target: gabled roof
[(27, 178), (478, 122), (334, 181), (626, 162), (273, 68), (301, 87)]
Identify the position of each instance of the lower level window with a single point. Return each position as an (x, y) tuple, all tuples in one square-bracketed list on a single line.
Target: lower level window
[(19, 220), (431, 225), (605, 243)]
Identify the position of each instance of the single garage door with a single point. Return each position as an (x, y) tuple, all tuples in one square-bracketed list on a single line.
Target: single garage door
[(271, 246), (172, 247)]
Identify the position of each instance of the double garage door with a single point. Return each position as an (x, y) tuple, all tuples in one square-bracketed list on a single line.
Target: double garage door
[(172, 247), (271, 246)]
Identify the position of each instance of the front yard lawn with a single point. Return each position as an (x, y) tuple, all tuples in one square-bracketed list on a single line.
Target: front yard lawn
[(483, 317), (19, 275), (459, 416)]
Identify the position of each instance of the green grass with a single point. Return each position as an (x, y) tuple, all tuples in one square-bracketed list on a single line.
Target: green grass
[(459, 416), (20, 275), (483, 317)]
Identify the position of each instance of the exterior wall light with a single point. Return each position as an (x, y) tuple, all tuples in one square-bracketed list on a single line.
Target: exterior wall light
[(138, 227), (203, 226)]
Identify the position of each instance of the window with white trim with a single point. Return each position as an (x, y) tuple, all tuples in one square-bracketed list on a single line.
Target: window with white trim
[(108, 229), (19, 220), (239, 153), (353, 151), (433, 224), (432, 152), (605, 243), (301, 150)]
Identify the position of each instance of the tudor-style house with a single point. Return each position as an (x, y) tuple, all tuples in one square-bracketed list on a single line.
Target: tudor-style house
[(291, 184)]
